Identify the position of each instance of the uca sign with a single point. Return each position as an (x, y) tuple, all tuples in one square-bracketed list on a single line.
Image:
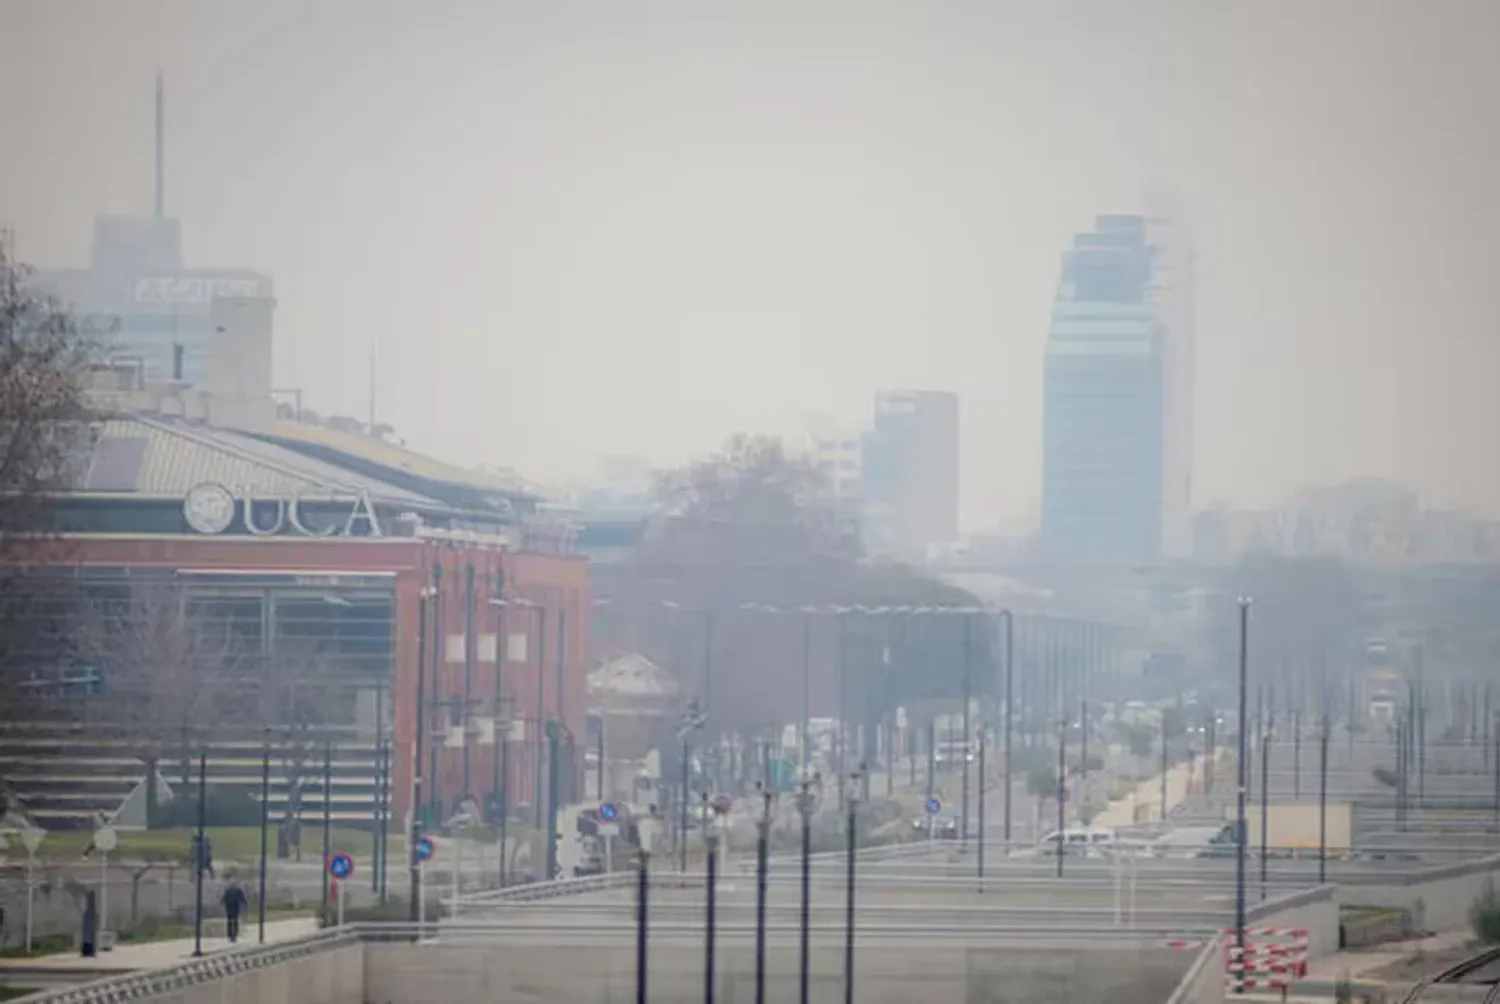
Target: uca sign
[(210, 508)]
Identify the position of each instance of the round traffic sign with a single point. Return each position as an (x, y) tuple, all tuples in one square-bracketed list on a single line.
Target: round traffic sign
[(425, 849), (105, 839), (341, 866), (722, 804), (31, 838), (934, 806), (608, 812)]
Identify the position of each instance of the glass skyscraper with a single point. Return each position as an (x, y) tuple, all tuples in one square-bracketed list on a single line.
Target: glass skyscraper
[(1114, 463)]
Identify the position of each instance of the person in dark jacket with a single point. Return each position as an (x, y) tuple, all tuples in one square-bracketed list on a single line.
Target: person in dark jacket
[(235, 903)]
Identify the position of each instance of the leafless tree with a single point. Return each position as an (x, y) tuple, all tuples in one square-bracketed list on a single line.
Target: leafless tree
[(166, 665), (1307, 623), (296, 697), (45, 357), (753, 524)]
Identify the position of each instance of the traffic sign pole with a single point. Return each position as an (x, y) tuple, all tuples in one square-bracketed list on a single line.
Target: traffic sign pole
[(31, 839), (104, 841), (608, 828), (425, 849), (341, 867)]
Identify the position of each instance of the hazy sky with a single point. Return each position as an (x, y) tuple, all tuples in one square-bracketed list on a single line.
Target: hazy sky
[(583, 227)]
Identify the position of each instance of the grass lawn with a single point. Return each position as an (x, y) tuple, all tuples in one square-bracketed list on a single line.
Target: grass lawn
[(237, 843)]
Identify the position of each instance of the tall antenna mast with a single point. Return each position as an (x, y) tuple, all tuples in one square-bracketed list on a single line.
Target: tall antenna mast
[(371, 428), (161, 148)]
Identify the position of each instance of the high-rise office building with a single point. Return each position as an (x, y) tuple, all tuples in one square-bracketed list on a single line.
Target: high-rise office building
[(203, 329), (909, 474), (1117, 396)]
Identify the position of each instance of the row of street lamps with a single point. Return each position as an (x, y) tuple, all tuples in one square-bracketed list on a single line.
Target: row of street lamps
[(430, 598), (841, 611), (807, 801)]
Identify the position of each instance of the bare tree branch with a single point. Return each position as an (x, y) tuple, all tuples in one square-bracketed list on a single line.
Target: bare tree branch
[(45, 357)]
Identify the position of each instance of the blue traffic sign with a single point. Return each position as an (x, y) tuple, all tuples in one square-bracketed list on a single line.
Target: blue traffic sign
[(425, 849), (934, 806), (341, 866), (608, 812)]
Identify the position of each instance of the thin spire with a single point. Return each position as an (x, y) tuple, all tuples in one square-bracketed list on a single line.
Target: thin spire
[(374, 348), (161, 148)]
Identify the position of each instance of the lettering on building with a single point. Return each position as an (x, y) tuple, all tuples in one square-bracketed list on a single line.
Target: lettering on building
[(181, 290), (210, 509)]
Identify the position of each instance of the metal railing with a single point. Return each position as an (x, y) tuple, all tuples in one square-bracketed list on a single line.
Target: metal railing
[(145, 986), (196, 972)]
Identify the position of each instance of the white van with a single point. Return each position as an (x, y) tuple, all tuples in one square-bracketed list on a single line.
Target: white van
[(1087, 841)]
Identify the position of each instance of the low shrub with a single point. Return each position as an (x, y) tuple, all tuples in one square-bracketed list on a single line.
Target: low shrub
[(1484, 915)]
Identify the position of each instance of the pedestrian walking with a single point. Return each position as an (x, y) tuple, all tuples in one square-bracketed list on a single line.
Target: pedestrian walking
[(235, 903)]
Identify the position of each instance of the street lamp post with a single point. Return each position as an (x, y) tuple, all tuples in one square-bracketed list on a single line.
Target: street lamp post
[(1165, 766), (762, 854), (1297, 754), (1010, 630), (1323, 801), (1062, 791), (465, 789), (807, 613), (1239, 858), (711, 884), (692, 720), (982, 745), (200, 860), (434, 767), (1265, 801), (1083, 758), (265, 802), (843, 669), (540, 754), (851, 803), (807, 804), (417, 791), (642, 923), (963, 826)]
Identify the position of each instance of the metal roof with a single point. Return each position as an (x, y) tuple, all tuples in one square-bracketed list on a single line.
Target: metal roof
[(399, 458), (166, 457)]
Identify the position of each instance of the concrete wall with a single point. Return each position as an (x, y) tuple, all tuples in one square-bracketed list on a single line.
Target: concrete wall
[(1438, 898), (334, 976), (1317, 910), (415, 974), (1204, 982)]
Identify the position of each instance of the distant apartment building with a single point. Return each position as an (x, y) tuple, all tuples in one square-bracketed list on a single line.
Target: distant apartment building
[(1117, 411), (909, 474), (840, 461), (1365, 521)]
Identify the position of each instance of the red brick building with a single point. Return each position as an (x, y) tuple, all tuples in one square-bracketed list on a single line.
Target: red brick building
[(299, 553)]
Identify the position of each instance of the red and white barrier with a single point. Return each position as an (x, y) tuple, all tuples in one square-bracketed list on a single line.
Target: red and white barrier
[(1273, 964)]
